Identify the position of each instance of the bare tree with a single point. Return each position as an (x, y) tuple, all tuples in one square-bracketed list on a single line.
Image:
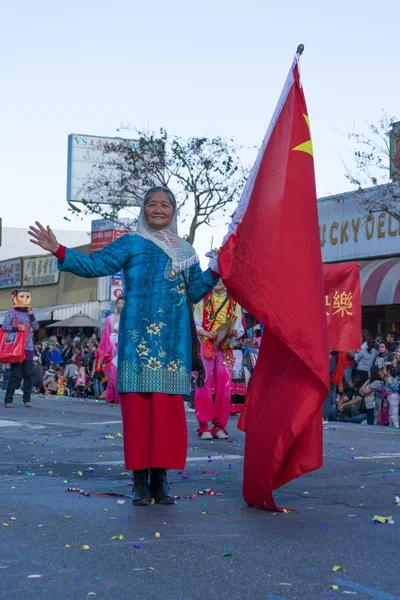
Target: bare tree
[(377, 167), (205, 174)]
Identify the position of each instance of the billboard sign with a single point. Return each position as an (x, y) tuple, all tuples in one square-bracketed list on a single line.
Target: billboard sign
[(104, 232), (40, 270), (86, 153), (10, 273), (395, 151)]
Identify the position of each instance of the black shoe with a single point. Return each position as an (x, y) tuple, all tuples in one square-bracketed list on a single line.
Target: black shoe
[(141, 490), (159, 486)]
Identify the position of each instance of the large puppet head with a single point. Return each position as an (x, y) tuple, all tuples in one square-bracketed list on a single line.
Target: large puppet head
[(21, 298)]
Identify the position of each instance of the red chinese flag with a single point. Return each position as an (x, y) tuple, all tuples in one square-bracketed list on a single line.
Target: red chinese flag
[(343, 305), (271, 264)]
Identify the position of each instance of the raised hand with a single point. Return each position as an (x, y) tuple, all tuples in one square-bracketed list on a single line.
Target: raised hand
[(43, 237)]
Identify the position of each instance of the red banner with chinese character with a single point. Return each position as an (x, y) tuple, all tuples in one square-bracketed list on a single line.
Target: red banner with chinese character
[(343, 305)]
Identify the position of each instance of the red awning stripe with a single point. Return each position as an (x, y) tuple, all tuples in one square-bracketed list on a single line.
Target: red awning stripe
[(379, 281)]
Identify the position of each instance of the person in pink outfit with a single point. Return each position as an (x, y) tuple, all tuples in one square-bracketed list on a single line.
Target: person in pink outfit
[(218, 321), (108, 350)]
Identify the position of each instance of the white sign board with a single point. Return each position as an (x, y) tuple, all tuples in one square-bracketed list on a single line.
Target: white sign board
[(348, 233), (85, 154)]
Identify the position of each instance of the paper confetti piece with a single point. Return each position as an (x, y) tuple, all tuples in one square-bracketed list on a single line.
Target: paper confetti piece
[(144, 569), (68, 545), (79, 473), (85, 547), (226, 555), (6, 525), (67, 516), (333, 587), (117, 537), (157, 535), (121, 501), (138, 546), (34, 576), (337, 568), (379, 519)]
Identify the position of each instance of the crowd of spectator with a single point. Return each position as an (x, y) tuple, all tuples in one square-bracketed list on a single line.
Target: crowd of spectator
[(369, 392), (66, 367)]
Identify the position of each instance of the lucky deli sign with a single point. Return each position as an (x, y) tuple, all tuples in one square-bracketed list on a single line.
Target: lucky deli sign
[(348, 233)]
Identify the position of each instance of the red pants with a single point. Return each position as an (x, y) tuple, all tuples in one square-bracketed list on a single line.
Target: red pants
[(218, 411), (155, 431)]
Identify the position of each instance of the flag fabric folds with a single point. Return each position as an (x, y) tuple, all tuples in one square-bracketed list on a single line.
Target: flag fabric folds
[(271, 263)]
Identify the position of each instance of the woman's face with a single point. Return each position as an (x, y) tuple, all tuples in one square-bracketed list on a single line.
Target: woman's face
[(119, 304), (158, 210), (340, 389), (382, 348), (220, 288)]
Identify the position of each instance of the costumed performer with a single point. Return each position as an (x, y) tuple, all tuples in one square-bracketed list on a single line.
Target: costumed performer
[(19, 318), (155, 342), (218, 321), (108, 351)]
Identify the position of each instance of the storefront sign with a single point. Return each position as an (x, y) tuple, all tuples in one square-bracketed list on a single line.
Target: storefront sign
[(10, 273), (40, 270), (347, 233)]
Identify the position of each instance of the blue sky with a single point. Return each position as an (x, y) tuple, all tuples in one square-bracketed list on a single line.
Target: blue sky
[(210, 68)]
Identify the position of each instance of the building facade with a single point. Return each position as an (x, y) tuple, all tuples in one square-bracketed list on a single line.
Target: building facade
[(55, 295), (349, 234)]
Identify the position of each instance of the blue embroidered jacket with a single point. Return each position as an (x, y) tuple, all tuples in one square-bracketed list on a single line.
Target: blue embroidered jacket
[(154, 340)]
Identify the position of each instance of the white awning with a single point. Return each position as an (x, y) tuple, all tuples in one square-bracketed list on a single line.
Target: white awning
[(60, 312), (88, 308)]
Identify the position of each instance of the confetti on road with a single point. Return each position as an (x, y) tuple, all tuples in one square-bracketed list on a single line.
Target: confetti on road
[(337, 568), (117, 537), (379, 519)]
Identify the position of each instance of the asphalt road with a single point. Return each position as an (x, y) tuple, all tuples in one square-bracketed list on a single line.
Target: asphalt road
[(208, 545)]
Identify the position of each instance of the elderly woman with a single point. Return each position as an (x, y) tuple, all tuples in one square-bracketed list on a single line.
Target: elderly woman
[(155, 345)]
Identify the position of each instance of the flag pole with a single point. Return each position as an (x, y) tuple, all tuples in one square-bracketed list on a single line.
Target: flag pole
[(300, 49)]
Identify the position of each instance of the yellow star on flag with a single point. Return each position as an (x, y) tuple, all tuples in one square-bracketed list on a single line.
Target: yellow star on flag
[(306, 146)]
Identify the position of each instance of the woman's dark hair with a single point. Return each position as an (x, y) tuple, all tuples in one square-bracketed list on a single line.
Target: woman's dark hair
[(346, 386), (159, 188), (120, 298), (370, 344)]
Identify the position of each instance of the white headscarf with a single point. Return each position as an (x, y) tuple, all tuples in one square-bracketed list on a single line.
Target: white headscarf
[(181, 253)]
